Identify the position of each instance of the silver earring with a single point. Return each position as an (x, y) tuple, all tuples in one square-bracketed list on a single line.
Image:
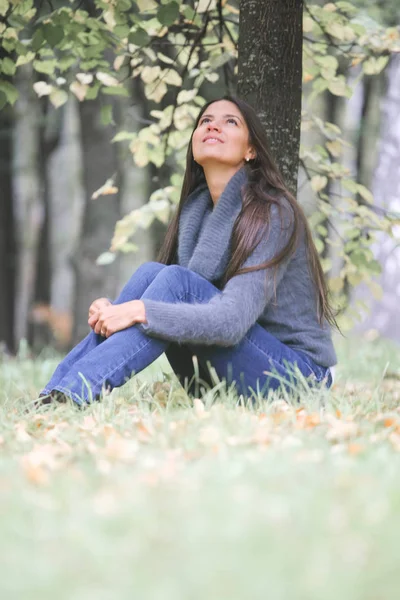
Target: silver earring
[(247, 159)]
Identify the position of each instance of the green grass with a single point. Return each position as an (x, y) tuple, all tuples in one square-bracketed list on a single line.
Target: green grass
[(149, 495)]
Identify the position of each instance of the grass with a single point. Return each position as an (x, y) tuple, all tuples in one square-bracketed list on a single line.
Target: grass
[(151, 495)]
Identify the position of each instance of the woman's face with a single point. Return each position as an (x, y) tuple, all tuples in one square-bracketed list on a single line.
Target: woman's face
[(221, 136)]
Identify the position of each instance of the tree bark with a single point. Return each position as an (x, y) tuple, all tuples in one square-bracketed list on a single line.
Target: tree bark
[(383, 315), (270, 74), (100, 162), (8, 249)]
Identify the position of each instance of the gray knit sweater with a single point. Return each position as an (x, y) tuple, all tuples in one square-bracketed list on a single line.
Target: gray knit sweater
[(204, 247)]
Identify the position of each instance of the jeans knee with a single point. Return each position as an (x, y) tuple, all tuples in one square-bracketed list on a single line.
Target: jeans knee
[(174, 274), (150, 268)]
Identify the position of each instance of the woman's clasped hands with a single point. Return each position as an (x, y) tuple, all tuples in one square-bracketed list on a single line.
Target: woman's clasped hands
[(106, 318)]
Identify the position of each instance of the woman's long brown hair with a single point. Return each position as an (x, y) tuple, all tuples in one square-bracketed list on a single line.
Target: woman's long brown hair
[(265, 187)]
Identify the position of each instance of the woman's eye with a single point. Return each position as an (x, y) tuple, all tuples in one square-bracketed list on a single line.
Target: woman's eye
[(228, 120)]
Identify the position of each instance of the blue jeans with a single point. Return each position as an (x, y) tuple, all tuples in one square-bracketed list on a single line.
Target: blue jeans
[(98, 362)]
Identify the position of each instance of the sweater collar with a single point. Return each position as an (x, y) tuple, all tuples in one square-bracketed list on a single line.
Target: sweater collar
[(206, 250)]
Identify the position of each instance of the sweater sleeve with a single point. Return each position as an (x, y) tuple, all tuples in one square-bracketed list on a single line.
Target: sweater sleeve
[(225, 319)]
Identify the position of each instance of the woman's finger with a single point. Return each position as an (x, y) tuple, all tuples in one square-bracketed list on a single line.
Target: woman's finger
[(98, 326), (93, 320)]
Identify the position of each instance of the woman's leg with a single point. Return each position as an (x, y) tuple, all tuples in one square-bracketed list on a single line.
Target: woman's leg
[(180, 357), (131, 350), (133, 290), (259, 362)]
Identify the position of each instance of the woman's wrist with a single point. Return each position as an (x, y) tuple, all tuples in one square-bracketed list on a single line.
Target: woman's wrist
[(138, 311)]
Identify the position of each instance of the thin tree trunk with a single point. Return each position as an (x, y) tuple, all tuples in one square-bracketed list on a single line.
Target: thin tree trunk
[(40, 335), (384, 312), (270, 74), (100, 162), (8, 258), (28, 198)]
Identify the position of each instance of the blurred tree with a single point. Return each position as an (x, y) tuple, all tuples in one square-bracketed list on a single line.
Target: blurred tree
[(7, 232), (100, 215)]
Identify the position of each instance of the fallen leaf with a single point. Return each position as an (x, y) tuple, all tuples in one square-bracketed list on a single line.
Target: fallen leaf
[(341, 431), (355, 448), (21, 435)]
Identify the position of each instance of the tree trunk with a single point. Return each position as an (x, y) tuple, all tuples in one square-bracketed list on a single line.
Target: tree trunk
[(8, 259), (39, 334), (270, 74), (28, 198), (99, 163), (383, 314)]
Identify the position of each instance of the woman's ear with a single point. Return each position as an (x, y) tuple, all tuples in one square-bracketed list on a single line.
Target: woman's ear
[(252, 154)]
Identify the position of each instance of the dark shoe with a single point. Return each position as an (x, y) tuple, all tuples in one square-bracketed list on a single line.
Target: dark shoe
[(54, 397)]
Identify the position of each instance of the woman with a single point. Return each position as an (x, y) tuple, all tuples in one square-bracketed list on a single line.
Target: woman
[(238, 282)]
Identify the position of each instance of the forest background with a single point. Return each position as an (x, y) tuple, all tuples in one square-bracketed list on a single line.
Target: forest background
[(97, 102)]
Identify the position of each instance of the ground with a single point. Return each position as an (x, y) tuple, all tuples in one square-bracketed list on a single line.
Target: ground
[(151, 495)]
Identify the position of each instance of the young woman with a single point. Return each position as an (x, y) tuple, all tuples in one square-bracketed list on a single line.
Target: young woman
[(238, 282)]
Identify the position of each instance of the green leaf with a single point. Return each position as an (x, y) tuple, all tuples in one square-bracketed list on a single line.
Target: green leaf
[(319, 244), (92, 92), (221, 59), (37, 40), (338, 86), (122, 136), (168, 13), (350, 185), (66, 62), (139, 37), (53, 34), (373, 66), (365, 193), (346, 7), (45, 66), (114, 90), (4, 6), (8, 66), (58, 97), (23, 60), (9, 91), (106, 115)]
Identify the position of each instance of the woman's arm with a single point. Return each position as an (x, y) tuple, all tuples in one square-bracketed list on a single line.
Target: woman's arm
[(227, 317)]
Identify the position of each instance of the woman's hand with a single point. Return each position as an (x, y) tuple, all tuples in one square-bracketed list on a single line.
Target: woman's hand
[(95, 309), (116, 317)]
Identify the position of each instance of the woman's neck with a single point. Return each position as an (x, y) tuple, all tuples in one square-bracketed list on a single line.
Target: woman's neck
[(217, 176)]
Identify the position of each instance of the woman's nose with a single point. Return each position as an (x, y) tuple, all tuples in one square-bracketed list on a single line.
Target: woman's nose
[(212, 126)]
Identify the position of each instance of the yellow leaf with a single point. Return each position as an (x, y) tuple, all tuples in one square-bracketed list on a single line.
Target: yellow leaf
[(118, 62), (79, 89), (150, 74), (172, 77), (334, 147), (107, 79), (330, 7), (186, 95), (156, 91), (105, 190), (202, 6), (318, 182)]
